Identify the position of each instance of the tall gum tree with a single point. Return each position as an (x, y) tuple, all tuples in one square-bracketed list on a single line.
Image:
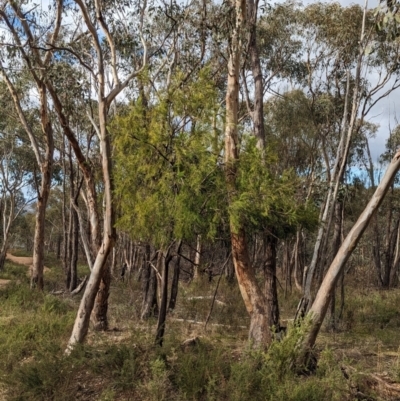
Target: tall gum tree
[(320, 305), (254, 300), (100, 276), (14, 169), (14, 18)]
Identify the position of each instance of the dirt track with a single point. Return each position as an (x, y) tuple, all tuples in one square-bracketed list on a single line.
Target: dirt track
[(3, 282), (22, 260)]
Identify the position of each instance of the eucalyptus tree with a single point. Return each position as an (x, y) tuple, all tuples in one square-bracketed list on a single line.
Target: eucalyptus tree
[(22, 36), (100, 22), (386, 228), (44, 54), (15, 172), (388, 81), (39, 64), (318, 310), (260, 332), (338, 58)]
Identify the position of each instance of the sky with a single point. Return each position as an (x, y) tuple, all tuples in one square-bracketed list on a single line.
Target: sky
[(387, 111)]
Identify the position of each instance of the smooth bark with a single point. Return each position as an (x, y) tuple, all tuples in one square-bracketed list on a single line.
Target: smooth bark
[(319, 308), (46, 168), (81, 325), (257, 114), (197, 258)]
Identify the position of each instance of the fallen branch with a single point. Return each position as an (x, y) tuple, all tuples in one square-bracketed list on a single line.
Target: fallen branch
[(202, 323), (157, 273), (207, 297), (376, 382), (78, 289), (61, 292)]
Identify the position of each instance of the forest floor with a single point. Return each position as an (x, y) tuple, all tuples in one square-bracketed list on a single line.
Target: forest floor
[(16, 259), (360, 360), (23, 260), (4, 282)]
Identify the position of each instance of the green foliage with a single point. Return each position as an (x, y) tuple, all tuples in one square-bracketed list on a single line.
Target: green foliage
[(158, 386), (378, 311), (208, 363), (388, 18), (31, 325), (266, 200), (168, 177), (14, 271)]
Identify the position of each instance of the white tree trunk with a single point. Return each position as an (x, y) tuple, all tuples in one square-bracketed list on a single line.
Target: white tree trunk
[(318, 309)]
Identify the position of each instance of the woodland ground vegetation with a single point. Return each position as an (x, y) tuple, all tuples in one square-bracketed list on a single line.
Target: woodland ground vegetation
[(198, 179)]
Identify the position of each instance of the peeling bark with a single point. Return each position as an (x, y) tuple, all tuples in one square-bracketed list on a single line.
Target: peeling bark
[(259, 332)]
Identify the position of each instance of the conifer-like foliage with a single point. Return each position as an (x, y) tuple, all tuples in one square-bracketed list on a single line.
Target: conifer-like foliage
[(169, 171), (266, 199), (168, 163)]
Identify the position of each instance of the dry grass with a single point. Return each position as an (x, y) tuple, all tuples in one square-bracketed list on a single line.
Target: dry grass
[(123, 363)]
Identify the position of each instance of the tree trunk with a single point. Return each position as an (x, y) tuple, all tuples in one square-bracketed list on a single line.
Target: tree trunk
[(82, 320), (197, 258), (270, 287), (229, 268), (58, 249), (395, 267), (74, 250), (99, 314), (318, 309), (258, 113), (3, 255), (259, 333), (175, 278), (390, 255), (100, 267), (99, 318), (337, 234), (376, 250), (297, 262), (8, 218), (162, 315), (44, 192), (69, 248), (66, 264), (38, 242), (149, 288)]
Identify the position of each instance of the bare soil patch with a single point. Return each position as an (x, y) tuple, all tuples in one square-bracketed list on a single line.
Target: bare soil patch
[(24, 260), (3, 282)]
